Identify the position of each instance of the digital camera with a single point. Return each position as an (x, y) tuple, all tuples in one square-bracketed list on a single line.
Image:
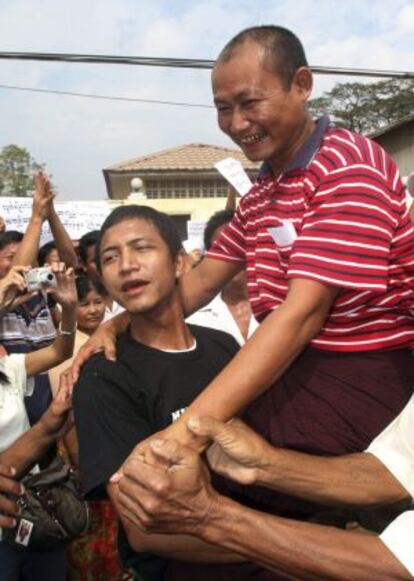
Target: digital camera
[(40, 278)]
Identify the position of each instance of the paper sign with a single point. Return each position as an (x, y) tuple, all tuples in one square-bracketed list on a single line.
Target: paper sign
[(78, 218), (195, 229), (233, 171), (284, 235)]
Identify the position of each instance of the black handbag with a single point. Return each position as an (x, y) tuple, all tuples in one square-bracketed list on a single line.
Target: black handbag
[(52, 510)]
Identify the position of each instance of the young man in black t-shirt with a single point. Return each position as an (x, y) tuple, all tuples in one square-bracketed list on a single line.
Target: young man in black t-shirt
[(162, 365)]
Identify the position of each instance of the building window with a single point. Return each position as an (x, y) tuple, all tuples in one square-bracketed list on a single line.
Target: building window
[(186, 188)]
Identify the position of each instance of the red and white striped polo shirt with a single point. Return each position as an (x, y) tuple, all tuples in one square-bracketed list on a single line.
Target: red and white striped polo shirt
[(351, 229)]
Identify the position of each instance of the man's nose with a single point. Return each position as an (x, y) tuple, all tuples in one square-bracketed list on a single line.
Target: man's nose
[(239, 121), (129, 260)]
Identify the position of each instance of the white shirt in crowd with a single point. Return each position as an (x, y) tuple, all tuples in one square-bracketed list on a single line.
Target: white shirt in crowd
[(217, 315), (394, 447), (13, 417)]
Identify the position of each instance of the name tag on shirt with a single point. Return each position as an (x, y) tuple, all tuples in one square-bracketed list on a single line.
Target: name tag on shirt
[(284, 235)]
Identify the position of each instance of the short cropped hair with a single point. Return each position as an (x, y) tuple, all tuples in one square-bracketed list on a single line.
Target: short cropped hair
[(10, 237), (88, 239), (283, 52), (162, 222), (218, 219), (44, 251)]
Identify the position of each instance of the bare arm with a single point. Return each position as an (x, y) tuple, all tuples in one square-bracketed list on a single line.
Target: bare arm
[(33, 444), (63, 242), (308, 551), (180, 547), (264, 358), (180, 499), (231, 202), (201, 284), (352, 480), (70, 440), (242, 455), (27, 449)]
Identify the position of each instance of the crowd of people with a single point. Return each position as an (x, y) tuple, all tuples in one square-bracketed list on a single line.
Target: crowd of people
[(247, 417)]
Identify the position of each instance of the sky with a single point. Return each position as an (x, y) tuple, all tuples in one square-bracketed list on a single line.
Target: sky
[(77, 137)]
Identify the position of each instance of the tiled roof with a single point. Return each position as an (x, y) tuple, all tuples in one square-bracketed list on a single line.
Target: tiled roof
[(388, 128), (195, 156)]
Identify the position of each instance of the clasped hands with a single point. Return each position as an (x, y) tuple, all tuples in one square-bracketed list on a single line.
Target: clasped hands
[(164, 485)]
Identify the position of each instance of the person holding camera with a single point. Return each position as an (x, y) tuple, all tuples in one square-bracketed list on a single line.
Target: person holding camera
[(16, 383), (32, 325)]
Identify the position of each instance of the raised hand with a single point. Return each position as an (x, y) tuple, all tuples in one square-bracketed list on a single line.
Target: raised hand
[(43, 196), (58, 418), (65, 292), (13, 287)]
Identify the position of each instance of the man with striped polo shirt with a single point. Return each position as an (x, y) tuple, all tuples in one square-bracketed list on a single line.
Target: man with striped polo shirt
[(328, 246)]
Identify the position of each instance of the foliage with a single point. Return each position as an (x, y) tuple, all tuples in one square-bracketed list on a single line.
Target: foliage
[(17, 170), (366, 107)]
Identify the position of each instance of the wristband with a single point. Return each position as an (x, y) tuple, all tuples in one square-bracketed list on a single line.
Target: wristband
[(67, 333)]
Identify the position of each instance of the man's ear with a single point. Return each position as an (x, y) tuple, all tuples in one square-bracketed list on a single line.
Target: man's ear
[(181, 265), (303, 82)]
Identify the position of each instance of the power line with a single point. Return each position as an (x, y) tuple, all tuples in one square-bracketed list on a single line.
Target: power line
[(105, 97), (363, 72), (110, 59), (186, 63)]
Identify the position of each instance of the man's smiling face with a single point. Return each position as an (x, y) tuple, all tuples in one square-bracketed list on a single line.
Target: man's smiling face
[(255, 108)]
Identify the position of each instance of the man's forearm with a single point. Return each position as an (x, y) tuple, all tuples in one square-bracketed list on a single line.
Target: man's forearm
[(60, 350), (340, 481), (27, 450), (305, 550), (177, 546), (201, 284), (62, 240), (262, 360), (26, 254)]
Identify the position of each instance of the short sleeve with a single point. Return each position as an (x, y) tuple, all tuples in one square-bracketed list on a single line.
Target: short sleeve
[(110, 421), (231, 243), (394, 447), (398, 538), (15, 369), (348, 230)]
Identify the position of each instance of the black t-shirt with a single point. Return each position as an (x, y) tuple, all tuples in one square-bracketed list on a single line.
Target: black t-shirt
[(118, 404)]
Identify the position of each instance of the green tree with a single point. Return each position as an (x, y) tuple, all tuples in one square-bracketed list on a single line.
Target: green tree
[(365, 107), (17, 170)]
